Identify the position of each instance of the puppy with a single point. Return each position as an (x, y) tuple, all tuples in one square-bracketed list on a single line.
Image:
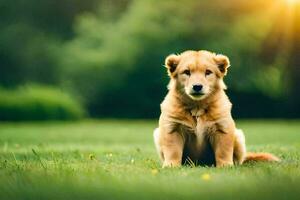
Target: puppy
[(195, 122)]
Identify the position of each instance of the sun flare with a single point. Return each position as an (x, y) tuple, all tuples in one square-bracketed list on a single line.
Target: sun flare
[(292, 2)]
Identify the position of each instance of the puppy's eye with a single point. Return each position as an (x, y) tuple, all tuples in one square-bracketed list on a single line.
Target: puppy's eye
[(208, 72), (187, 72)]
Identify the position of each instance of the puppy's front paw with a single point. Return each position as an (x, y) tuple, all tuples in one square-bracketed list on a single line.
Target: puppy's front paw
[(168, 164), (225, 164)]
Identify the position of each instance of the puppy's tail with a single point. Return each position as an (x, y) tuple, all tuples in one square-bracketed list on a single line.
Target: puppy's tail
[(267, 157)]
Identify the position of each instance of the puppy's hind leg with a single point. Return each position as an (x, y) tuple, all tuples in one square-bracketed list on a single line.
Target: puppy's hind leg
[(156, 135), (239, 147)]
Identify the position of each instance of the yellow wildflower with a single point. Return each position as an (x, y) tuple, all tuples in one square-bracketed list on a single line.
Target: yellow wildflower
[(206, 177)]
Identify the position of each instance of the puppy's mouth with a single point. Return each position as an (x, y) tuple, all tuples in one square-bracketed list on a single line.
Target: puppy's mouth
[(196, 95)]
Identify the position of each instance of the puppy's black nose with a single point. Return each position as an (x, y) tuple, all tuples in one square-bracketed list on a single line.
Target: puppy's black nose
[(197, 88)]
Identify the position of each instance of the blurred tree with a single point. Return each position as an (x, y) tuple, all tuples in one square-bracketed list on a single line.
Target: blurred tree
[(282, 49), (121, 60), (294, 63), (31, 32), (110, 53)]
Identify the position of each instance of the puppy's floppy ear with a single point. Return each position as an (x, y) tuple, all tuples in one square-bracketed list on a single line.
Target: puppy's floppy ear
[(171, 63), (222, 62)]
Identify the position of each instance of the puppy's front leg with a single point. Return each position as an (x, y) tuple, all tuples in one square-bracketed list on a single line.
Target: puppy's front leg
[(222, 144), (172, 149)]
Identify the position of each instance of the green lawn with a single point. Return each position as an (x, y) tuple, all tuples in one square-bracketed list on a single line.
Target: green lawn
[(117, 160)]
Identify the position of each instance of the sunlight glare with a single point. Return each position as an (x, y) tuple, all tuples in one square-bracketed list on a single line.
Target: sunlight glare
[(292, 2)]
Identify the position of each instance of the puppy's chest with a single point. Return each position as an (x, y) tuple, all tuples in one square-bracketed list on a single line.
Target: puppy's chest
[(203, 126), (200, 133)]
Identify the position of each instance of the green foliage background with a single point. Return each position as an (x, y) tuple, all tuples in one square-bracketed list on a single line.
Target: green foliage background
[(109, 55), (38, 103)]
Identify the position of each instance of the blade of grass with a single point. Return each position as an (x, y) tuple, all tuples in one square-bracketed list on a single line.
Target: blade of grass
[(39, 158)]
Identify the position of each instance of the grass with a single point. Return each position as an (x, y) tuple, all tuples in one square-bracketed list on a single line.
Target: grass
[(116, 160)]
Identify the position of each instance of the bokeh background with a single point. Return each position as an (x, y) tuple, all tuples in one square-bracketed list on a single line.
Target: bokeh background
[(72, 59)]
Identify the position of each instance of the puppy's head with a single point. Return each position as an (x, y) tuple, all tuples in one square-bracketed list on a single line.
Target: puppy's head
[(197, 73)]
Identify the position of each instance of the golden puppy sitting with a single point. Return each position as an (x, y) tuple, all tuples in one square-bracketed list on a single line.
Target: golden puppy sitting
[(195, 121)]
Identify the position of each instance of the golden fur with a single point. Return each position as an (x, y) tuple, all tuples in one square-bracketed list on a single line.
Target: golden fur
[(198, 127)]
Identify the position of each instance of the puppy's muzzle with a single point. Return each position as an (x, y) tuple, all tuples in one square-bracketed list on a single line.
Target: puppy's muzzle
[(197, 88)]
